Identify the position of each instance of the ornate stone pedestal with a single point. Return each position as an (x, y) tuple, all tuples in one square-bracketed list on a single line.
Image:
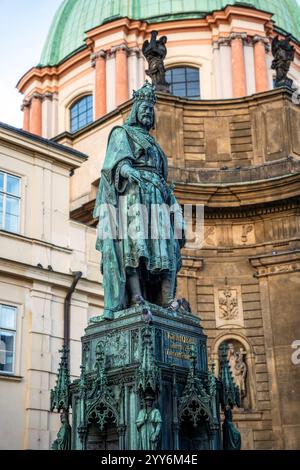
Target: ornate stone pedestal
[(146, 354)]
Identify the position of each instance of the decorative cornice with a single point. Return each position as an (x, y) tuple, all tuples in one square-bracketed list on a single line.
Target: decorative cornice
[(191, 265), (241, 212), (276, 263)]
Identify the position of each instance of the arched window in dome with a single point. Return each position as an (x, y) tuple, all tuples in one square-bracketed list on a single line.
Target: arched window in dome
[(81, 113), (184, 82)]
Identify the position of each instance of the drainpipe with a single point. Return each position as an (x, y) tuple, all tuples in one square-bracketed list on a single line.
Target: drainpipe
[(77, 275)]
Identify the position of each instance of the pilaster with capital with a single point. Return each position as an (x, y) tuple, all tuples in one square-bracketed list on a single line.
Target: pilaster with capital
[(99, 62), (133, 69), (26, 115), (36, 114), (239, 86), (122, 85), (223, 69), (261, 47)]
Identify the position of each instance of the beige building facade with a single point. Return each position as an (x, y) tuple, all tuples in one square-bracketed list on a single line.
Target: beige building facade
[(37, 260), (234, 150)]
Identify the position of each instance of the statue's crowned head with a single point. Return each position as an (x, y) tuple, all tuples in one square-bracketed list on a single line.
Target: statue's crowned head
[(142, 113), (145, 94)]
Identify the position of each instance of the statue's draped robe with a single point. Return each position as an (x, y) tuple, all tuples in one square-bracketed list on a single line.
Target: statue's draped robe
[(231, 435), (63, 439), (149, 426), (134, 146)]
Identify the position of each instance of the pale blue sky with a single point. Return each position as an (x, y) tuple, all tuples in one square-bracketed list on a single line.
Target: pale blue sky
[(24, 25)]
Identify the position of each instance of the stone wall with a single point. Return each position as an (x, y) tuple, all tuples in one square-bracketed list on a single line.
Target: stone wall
[(229, 133)]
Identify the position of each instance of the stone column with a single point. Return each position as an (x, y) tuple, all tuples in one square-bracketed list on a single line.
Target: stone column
[(121, 73), (260, 63), (133, 70), (99, 62), (141, 69), (110, 79), (217, 71), (54, 115), (47, 116), (26, 115), (249, 65), (238, 64), (270, 72), (36, 114), (225, 67)]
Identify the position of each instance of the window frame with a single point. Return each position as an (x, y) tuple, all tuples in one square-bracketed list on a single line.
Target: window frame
[(186, 81), (5, 195), (79, 114), (14, 331)]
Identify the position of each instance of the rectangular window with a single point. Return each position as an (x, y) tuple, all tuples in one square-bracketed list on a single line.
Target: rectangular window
[(10, 199), (8, 321)]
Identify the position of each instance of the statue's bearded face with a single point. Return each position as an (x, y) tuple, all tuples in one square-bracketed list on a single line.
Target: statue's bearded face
[(145, 115)]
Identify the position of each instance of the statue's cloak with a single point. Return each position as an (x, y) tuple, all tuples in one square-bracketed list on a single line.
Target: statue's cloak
[(125, 144)]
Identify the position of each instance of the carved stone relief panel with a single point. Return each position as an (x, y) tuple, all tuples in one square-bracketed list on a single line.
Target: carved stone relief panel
[(210, 236), (243, 234), (229, 307)]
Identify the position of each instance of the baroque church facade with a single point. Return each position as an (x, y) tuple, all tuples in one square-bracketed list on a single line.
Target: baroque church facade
[(233, 145)]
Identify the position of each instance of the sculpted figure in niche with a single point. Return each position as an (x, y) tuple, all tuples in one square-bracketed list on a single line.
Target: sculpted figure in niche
[(149, 426), (238, 368)]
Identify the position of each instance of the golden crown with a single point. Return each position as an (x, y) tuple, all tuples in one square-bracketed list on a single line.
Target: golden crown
[(146, 93)]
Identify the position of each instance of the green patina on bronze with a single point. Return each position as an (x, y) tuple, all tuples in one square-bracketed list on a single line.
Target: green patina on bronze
[(75, 17), (133, 182), (145, 382)]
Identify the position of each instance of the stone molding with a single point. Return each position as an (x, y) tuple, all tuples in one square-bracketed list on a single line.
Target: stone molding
[(191, 266), (276, 263)]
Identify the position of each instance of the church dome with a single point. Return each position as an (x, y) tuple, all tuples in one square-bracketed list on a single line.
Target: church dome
[(75, 17)]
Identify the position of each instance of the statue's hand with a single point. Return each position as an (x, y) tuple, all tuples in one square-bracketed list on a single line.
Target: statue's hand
[(135, 177)]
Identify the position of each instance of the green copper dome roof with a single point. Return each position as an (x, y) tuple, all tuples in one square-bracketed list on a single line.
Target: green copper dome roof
[(75, 17)]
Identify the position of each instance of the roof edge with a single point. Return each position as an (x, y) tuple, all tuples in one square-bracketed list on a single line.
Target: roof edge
[(42, 141)]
